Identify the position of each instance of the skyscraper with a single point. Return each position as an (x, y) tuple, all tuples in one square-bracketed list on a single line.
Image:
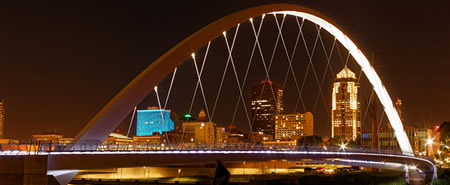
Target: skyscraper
[(2, 118), (345, 114), (266, 102)]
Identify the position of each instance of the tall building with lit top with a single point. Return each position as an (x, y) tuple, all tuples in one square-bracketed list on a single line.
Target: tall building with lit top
[(2, 119), (266, 102), (293, 126), (346, 111), (153, 120)]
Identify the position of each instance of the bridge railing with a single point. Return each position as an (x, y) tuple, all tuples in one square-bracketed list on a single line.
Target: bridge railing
[(48, 148)]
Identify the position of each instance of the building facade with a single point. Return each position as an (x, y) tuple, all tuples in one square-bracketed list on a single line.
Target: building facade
[(47, 137), (259, 137), (288, 126), (199, 132), (2, 119), (266, 102), (417, 137), (221, 136), (346, 113), (152, 121)]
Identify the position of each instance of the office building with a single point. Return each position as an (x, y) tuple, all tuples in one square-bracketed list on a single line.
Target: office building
[(51, 137), (366, 139), (419, 138), (234, 136), (47, 137), (199, 132), (259, 137), (291, 126), (153, 120), (117, 138), (266, 102), (345, 115), (220, 135)]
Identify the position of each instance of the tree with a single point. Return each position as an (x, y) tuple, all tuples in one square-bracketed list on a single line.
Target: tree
[(310, 141)]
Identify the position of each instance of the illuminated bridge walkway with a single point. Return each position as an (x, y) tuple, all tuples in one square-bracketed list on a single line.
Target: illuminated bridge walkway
[(81, 157)]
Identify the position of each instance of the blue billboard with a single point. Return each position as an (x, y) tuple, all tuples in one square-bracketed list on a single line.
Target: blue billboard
[(151, 121)]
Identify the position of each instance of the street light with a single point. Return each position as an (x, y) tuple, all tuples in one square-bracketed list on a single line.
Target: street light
[(343, 146), (429, 142)]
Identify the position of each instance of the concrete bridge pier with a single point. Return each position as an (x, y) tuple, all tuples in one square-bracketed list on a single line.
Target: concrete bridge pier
[(416, 176), (23, 170)]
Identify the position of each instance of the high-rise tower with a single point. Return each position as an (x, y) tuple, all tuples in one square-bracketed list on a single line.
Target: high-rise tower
[(345, 114), (266, 102), (2, 118)]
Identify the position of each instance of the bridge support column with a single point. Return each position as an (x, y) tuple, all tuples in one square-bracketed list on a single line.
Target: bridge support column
[(23, 170)]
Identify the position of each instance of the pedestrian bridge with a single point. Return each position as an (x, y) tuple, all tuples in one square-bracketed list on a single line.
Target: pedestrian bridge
[(82, 157)]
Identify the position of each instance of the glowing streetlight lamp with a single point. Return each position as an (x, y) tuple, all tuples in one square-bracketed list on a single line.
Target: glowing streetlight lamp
[(429, 142), (244, 167), (343, 146)]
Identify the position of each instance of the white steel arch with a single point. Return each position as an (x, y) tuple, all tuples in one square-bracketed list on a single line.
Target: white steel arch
[(368, 70), (118, 108)]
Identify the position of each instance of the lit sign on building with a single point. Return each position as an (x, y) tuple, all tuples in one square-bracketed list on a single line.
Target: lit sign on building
[(151, 121)]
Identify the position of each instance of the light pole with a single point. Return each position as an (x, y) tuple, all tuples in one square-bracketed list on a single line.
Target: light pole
[(144, 172), (179, 173), (244, 167)]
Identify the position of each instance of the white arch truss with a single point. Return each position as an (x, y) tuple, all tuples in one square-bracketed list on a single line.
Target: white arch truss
[(121, 105)]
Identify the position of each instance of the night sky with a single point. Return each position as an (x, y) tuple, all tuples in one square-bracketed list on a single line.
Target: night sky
[(61, 62)]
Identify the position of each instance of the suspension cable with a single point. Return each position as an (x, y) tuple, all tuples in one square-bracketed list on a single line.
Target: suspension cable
[(198, 82), (246, 72), (237, 81), (131, 121), (266, 69), (289, 57), (264, 63), (161, 112), (326, 70), (170, 87), (263, 59), (225, 71), (315, 73), (201, 86), (379, 124), (310, 65)]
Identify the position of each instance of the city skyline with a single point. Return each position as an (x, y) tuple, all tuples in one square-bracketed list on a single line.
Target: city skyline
[(35, 83), (224, 92)]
